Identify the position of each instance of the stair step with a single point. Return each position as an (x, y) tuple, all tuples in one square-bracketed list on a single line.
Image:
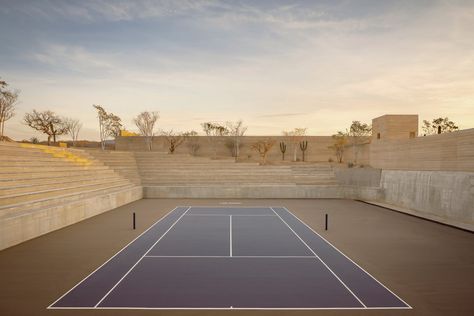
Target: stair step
[(19, 209), (32, 196)]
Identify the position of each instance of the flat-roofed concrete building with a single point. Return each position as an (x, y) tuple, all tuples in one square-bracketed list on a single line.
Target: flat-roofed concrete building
[(391, 127)]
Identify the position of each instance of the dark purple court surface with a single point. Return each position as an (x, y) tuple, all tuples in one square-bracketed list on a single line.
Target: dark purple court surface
[(230, 258)]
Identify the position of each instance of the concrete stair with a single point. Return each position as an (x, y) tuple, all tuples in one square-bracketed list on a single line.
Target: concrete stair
[(47, 173), (44, 188), (122, 162), (187, 176), (161, 169)]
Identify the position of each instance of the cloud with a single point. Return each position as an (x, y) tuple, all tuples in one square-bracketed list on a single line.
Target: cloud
[(275, 66), (73, 58), (109, 10)]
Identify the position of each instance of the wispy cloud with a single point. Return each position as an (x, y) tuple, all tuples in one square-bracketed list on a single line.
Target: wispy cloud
[(73, 58), (108, 10), (274, 64)]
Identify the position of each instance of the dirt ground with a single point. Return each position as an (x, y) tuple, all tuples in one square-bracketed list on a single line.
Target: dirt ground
[(429, 265)]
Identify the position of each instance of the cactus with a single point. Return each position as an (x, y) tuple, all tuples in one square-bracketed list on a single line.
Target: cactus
[(303, 146), (283, 150)]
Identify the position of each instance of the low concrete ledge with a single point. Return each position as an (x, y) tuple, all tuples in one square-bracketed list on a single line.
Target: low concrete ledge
[(247, 191), (28, 225)]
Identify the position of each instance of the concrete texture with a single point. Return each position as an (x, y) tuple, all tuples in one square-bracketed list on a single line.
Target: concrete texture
[(22, 226), (365, 177), (429, 265), (442, 196), (244, 191), (447, 197), (389, 127), (46, 188), (444, 152)]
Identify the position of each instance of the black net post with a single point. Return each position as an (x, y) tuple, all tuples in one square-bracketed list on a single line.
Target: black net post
[(134, 220), (326, 222)]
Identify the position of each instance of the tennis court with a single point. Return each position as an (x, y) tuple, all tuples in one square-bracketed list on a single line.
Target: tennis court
[(229, 258)]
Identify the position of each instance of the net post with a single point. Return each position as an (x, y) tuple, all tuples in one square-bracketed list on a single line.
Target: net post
[(134, 221), (326, 222)]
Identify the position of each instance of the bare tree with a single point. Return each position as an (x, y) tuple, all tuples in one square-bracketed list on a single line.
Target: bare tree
[(73, 127), (263, 147), (46, 122), (294, 137), (145, 123), (109, 124), (236, 130), (357, 134), (340, 141), (174, 139), (193, 142), (8, 101), (438, 126), (213, 130)]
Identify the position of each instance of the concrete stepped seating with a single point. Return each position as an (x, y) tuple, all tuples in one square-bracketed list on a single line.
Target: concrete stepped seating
[(30, 175), (35, 177), (24, 207), (187, 176), (122, 162), (33, 193), (15, 188), (160, 169), (45, 188)]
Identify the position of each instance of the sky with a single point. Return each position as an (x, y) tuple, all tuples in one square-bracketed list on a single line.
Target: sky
[(276, 65)]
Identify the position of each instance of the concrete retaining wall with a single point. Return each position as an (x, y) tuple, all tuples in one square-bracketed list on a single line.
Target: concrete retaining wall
[(248, 191), (443, 196), (446, 197), (364, 177), (21, 227), (264, 192), (318, 148), (445, 152)]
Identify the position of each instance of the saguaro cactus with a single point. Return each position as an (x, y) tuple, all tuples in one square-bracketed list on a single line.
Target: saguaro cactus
[(283, 150), (303, 147)]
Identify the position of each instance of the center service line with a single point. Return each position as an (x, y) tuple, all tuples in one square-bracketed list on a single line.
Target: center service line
[(230, 235)]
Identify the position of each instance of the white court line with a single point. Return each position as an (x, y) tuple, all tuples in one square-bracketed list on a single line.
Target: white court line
[(230, 234), (103, 264), (230, 308), (156, 242), (408, 305), (232, 257), (228, 207), (271, 215), (319, 258), (238, 308)]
